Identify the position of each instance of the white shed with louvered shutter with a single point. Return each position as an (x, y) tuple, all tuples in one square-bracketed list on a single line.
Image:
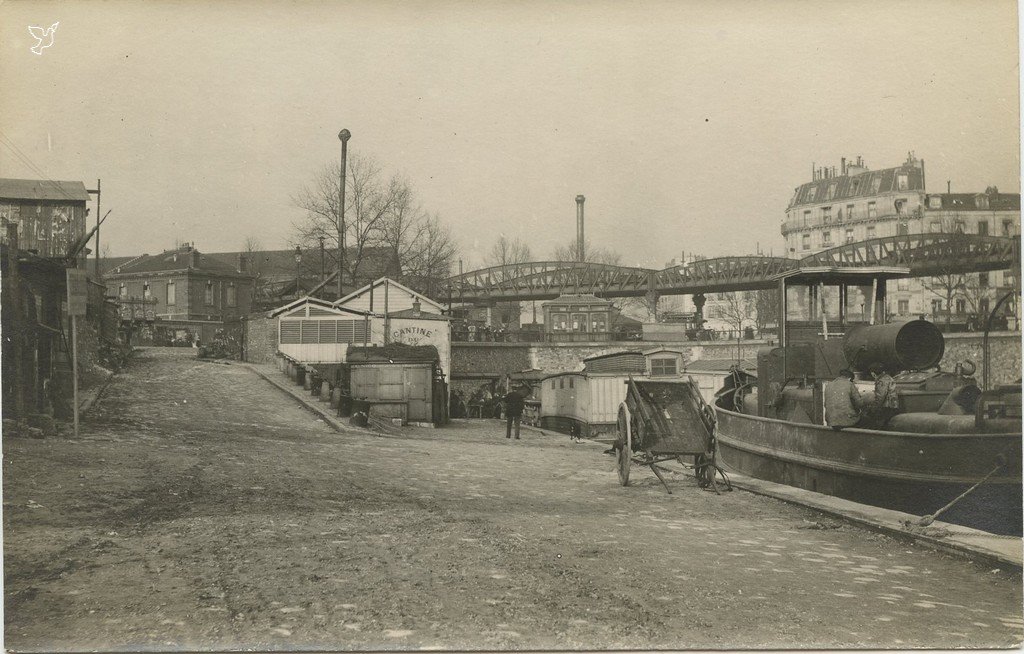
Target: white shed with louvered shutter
[(315, 331)]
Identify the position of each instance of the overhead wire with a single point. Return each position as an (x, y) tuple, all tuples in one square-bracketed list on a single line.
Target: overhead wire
[(24, 158)]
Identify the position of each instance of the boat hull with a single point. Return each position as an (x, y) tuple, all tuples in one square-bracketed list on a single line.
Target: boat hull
[(913, 473)]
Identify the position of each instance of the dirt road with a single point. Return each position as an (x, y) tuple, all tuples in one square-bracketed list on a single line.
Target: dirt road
[(202, 508)]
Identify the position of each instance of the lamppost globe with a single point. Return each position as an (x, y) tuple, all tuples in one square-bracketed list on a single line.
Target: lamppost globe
[(298, 254), (344, 135)]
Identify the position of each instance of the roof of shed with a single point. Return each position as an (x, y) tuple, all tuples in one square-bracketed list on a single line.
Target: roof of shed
[(393, 353), (43, 189)]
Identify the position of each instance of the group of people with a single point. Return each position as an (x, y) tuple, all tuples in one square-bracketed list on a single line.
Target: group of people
[(845, 407)]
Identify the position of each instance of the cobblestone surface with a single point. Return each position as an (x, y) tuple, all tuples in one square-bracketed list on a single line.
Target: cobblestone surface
[(202, 508)]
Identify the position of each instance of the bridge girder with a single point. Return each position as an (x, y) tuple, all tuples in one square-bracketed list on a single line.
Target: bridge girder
[(925, 255)]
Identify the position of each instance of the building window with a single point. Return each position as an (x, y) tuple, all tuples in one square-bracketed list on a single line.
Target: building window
[(871, 231), (961, 306), (171, 292), (936, 306), (902, 182), (831, 193), (561, 380), (826, 237), (558, 322), (209, 294), (806, 241), (811, 192), (903, 284), (826, 215), (1007, 228), (872, 210), (807, 218), (145, 291), (552, 381), (982, 228), (981, 202), (123, 290), (854, 186), (849, 212), (663, 367), (935, 227), (232, 295), (599, 322), (903, 307), (579, 322), (983, 280), (849, 235), (876, 183), (570, 382), (983, 306), (934, 201)]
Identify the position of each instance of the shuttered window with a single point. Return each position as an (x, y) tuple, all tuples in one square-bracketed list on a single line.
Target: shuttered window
[(310, 332), (289, 332)]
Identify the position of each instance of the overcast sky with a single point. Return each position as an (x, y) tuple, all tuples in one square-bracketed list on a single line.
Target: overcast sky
[(687, 125)]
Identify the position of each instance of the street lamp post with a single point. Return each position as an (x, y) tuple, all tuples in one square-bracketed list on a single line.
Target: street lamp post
[(343, 136), (323, 272), (298, 260)]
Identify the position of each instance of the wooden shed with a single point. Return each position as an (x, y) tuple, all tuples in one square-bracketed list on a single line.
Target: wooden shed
[(314, 331), (400, 381)]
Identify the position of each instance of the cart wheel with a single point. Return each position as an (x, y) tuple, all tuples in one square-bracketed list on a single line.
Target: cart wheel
[(704, 470), (624, 445)]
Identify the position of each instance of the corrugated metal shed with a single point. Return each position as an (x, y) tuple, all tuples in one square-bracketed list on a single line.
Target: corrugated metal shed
[(620, 362), (42, 189)]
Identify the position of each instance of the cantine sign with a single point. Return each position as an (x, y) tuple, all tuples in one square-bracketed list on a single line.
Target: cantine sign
[(413, 335)]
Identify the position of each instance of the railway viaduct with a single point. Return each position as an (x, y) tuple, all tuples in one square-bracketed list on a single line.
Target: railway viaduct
[(924, 254)]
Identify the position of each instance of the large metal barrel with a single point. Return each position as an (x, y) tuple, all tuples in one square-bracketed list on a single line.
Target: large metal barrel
[(912, 345)]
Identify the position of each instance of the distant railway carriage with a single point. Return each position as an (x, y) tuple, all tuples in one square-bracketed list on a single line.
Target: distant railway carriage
[(586, 403)]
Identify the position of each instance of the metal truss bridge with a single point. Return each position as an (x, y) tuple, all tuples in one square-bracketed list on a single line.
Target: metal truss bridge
[(925, 254)]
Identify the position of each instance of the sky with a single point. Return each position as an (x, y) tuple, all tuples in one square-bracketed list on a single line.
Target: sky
[(686, 125)]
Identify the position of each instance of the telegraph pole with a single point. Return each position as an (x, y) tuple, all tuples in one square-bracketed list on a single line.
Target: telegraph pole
[(343, 136), (96, 273)]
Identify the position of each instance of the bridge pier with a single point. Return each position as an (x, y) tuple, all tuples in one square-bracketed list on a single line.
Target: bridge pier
[(698, 306), (652, 298)]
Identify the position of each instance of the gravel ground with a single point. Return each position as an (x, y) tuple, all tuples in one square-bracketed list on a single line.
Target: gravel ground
[(204, 509)]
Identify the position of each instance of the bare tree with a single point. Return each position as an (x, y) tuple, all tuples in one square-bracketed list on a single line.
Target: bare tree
[(640, 309), (591, 254), (382, 220), (506, 252), (948, 284), (737, 309), (767, 309), (369, 199)]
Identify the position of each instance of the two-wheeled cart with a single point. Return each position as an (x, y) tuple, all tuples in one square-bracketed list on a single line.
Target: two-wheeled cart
[(662, 421)]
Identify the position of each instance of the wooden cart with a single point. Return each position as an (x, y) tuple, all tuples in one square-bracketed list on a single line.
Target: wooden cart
[(661, 421)]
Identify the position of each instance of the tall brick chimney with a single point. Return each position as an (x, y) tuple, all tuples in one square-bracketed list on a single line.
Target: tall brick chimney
[(580, 242)]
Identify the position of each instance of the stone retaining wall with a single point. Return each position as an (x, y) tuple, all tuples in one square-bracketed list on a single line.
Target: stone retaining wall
[(1004, 355)]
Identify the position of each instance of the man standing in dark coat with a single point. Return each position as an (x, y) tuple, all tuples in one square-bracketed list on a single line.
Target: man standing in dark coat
[(513, 412)]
